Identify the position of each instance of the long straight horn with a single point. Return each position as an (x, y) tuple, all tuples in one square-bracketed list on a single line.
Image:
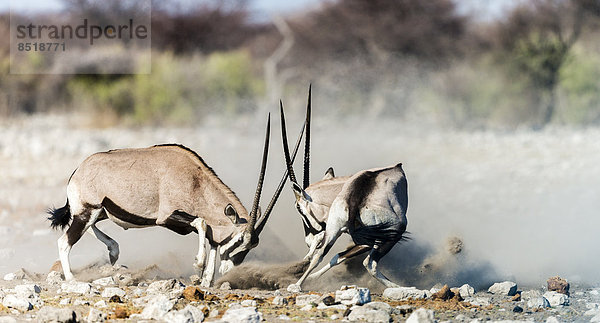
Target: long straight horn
[(306, 179), (286, 149), (263, 220), (261, 177)]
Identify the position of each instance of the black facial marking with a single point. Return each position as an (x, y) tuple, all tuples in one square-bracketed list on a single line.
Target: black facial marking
[(179, 222), (125, 216)]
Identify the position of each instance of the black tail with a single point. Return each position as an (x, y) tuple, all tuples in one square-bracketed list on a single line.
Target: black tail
[(60, 217)]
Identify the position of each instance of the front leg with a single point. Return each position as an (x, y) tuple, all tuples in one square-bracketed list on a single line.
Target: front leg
[(200, 225), (314, 241), (209, 273)]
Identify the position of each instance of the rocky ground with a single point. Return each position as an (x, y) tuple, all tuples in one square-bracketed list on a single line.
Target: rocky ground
[(121, 294)]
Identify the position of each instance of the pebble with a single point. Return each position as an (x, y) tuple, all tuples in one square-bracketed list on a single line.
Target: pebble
[(506, 288), (106, 281), (189, 314), (164, 286), (478, 301), (76, 287), (101, 304), (404, 293), (303, 300), (157, 307), (279, 301), (19, 303), (53, 314), (65, 301), (421, 315), (466, 291), (95, 315), (225, 286), (552, 319), (530, 294), (249, 302), (558, 284), (243, 315), (351, 295), (284, 317), (538, 302), (112, 291), (369, 314), (10, 276), (54, 278), (556, 299)]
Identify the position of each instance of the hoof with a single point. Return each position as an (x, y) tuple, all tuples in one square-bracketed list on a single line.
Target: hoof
[(294, 288)]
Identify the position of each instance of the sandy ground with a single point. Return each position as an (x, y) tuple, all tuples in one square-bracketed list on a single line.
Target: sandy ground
[(524, 203)]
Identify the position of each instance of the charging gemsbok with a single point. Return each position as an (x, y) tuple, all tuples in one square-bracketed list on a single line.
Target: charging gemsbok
[(370, 205), (164, 185)]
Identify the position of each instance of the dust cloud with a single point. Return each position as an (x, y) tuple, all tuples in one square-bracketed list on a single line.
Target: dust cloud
[(522, 204)]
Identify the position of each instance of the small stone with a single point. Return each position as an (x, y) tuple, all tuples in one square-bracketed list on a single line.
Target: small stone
[(303, 300), (157, 307), (517, 309), (558, 285), (123, 279), (115, 299), (329, 300), (244, 314), (284, 317), (28, 290), (279, 301), (516, 298), (380, 306), (106, 281), (95, 315), (164, 286), (249, 302), (461, 318), (444, 293), (54, 278), (421, 315), (225, 286), (193, 293), (78, 302), (403, 309), (195, 279), (556, 299), (466, 291), (10, 276), (53, 314), (65, 301), (368, 314), (478, 301), (506, 288), (530, 294), (76, 287), (101, 304), (112, 291), (307, 307), (538, 302), (121, 312), (213, 313), (350, 295), (404, 293), (552, 319), (19, 303)]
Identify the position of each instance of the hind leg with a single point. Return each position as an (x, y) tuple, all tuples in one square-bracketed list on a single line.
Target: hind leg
[(209, 273), (112, 245), (373, 258), (351, 252), (79, 225)]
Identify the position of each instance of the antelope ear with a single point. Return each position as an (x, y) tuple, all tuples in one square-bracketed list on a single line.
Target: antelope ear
[(300, 193), (329, 174), (231, 214)]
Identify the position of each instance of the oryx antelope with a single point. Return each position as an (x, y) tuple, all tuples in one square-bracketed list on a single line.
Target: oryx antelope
[(164, 185), (370, 206)]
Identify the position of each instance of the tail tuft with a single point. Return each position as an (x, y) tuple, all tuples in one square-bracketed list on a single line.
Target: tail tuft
[(59, 217)]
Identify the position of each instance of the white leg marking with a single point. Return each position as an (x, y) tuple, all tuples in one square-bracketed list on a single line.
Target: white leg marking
[(209, 273), (315, 241), (200, 225), (111, 244), (63, 252), (371, 266)]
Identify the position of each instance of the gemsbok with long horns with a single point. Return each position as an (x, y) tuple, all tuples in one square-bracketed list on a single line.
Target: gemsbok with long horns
[(164, 185), (370, 206)]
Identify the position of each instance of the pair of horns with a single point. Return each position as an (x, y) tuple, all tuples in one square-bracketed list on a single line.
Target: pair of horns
[(289, 161)]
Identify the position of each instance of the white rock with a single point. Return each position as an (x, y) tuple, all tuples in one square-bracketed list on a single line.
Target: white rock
[(189, 314), (340, 307), (556, 299), (350, 295), (380, 306), (368, 314), (157, 307), (53, 314), (65, 301), (506, 288), (79, 301), (249, 302), (538, 302), (279, 301), (7, 319), (404, 293), (303, 300), (10, 276), (95, 316), (284, 317), (466, 291), (54, 278), (106, 281), (20, 303), (421, 315), (101, 304), (164, 286), (27, 290), (307, 307), (478, 301), (76, 287), (552, 319), (333, 317), (244, 314), (112, 291)]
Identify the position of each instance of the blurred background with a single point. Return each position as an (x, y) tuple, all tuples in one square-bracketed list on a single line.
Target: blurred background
[(492, 106)]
